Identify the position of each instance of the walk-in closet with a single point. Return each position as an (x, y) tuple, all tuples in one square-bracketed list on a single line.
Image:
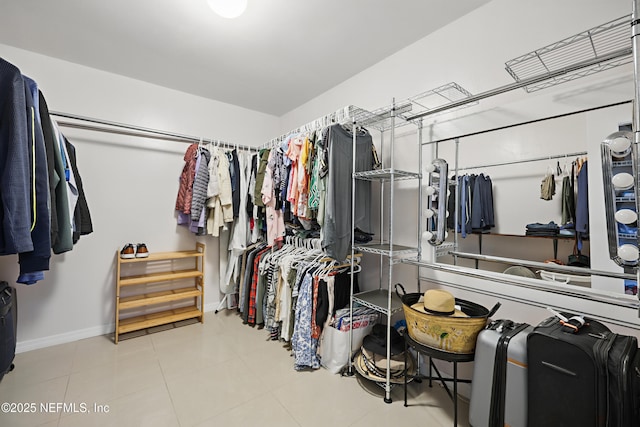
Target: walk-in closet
[(238, 212)]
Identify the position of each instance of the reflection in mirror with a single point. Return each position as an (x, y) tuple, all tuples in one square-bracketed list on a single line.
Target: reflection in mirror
[(531, 201)]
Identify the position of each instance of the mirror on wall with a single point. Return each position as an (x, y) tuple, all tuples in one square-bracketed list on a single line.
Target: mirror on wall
[(544, 184)]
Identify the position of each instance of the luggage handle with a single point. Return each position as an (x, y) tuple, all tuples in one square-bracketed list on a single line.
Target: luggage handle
[(401, 287), (572, 324), (6, 301), (494, 309)]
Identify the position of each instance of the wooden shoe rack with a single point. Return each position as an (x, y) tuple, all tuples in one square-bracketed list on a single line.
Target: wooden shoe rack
[(161, 289)]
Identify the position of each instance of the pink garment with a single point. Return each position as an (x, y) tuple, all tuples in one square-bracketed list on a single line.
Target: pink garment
[(275, 219), (293, 153), (302, 195)]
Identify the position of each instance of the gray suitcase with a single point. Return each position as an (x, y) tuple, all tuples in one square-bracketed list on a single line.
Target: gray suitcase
[(499, 385)]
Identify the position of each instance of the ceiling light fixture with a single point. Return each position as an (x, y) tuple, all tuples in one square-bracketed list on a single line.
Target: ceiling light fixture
[(228, 8)]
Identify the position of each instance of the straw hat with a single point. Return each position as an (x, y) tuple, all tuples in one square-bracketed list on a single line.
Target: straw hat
[(369, 372), (439, 303), (377, 363)]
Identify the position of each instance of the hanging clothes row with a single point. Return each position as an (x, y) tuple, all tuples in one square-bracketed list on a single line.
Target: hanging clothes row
[(294, 293), (474, 205), (210, 188), (213, 199), (574, 201), (582, 202), (43, 201), (575, 193), (305, 180)]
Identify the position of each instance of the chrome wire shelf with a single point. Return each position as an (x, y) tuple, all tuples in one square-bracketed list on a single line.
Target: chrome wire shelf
[(426, 101), (377, 300), (603, 41), (383, 118), (344, 116), (443, 95), (384, 249), (379, 119), (386, 175)]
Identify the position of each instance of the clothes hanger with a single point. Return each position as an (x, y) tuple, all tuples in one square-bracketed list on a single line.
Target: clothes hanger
[(310, 258), (565, 171), (278, 254), (549, 171), (336, 268), (357, 268), (323, 270), (294, 254)]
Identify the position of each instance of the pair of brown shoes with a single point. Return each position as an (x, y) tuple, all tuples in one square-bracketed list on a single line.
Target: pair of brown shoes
[(129, 251)]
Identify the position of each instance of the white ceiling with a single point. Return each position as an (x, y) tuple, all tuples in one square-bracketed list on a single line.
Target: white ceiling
[(274, 58)]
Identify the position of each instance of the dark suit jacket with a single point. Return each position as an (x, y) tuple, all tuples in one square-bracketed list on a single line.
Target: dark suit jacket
[(15, 207)]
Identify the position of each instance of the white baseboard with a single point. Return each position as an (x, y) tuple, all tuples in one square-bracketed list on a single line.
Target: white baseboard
[(67, 337), (216, 306), (212, 306), (64, 338)]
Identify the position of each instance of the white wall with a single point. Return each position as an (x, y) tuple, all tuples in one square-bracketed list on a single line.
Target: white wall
[(472, 52), (131, 186)]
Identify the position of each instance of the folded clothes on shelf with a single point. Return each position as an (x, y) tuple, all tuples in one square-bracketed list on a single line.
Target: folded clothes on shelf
[(542, 233), (540, 229), (540, 226)]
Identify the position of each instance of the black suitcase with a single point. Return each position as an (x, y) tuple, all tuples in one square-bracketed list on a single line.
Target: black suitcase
[(581, 379), (8, 323)]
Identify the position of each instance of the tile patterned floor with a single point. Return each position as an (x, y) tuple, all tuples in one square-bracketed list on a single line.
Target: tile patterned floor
[(220, 373)]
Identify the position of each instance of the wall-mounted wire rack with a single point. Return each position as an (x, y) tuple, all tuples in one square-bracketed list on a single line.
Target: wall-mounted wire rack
[(610, 42), (380, 119), (383, 118), (442, 95)]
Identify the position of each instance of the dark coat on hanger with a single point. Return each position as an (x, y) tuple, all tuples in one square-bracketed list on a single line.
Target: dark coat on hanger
[(36, 261), (15, 207)]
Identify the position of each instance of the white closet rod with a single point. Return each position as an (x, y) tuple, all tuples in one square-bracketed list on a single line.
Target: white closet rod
[(535, 159), (528, 122), (137, 131)]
